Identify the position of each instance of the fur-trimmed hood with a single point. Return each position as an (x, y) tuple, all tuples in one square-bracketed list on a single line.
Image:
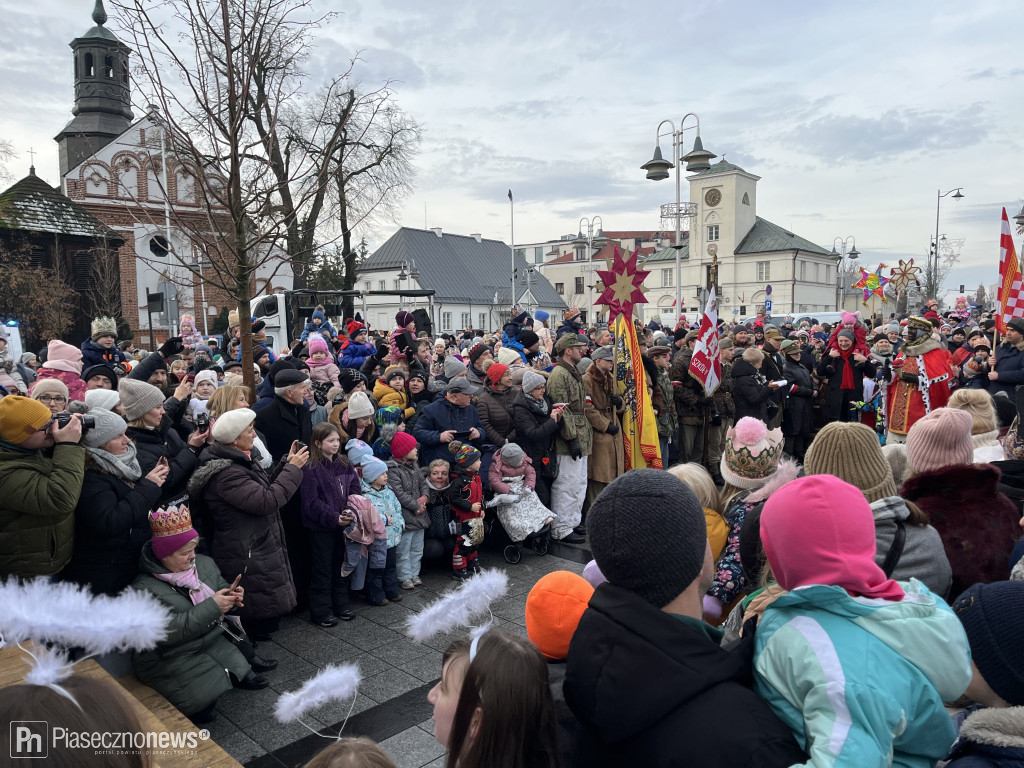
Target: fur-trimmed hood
[(205, 473), (994, 726)]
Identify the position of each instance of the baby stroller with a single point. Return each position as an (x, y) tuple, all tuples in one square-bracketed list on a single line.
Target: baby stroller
[(523, 519)]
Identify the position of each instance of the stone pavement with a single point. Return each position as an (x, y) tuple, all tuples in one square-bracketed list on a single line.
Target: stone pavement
[(391, 707)]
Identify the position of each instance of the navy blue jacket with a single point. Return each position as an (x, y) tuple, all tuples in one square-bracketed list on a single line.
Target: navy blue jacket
[(440, 417), (1010, 367)]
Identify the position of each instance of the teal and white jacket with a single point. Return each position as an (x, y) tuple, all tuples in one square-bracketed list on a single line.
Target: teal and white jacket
[(390, 509), (861, 681)]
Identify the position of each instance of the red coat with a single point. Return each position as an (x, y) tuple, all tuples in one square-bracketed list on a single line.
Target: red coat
[(905, 403)]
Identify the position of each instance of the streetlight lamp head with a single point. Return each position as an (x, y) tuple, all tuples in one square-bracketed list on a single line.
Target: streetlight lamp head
[(854, 254), (657, 167), (697, 159), (834, 251), (401, 274), (957, 196)]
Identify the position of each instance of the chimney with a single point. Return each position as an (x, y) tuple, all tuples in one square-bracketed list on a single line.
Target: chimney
[(436, 231), (478, 237)]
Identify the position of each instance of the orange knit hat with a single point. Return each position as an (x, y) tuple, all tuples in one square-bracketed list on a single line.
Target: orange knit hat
[(20, 418), (554, 608)]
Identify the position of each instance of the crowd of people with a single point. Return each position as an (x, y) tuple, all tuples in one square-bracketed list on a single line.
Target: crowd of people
[(827, 571)]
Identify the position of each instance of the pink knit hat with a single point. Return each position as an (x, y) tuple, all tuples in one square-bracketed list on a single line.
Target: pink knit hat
[(172, 530), (63, 357), (850, 317), (317, 343), (940, 439), (401, 444), (820, 530)]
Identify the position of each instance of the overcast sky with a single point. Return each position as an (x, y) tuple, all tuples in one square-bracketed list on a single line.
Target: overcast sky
[(852, 114)]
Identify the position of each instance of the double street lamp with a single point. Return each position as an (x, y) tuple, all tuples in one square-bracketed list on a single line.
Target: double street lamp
[(844, 259), (408, 271), (591, 224), (934, 268), (657, 169)]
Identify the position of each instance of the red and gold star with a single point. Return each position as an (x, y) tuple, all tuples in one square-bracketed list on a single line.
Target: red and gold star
[(624, 285)]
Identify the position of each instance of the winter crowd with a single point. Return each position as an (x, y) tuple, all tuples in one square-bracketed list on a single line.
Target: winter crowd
[(829, 571)]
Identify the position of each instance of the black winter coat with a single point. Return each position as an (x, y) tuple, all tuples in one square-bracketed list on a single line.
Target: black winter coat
[(440, 417), (797, 419), (281, 423), (152, 444), (535, 431), (750, 391), (244, 504), (111, 527), (652, 690), (838, 403)]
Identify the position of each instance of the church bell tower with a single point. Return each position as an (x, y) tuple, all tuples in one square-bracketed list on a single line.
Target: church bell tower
[(102, 110)]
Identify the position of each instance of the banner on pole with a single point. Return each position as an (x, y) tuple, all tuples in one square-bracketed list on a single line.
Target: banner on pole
[(706, 363)]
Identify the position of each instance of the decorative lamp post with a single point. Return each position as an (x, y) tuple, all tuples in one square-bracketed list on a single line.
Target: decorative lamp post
[(591, 224), (657, 169), (844, 259), (933, 287)]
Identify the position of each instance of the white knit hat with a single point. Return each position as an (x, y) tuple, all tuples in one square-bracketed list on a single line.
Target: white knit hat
[(107, 399), (359, 405), (207, 374), (230, 425)]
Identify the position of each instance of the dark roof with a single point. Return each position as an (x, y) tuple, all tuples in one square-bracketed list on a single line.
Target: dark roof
[(669, 254), (720, 167), (32, 205), (461, 270), (764, 237)]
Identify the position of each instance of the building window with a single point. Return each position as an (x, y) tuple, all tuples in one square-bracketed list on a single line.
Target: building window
[(466, 320), (560, 289), (382, 285), (483, 320), (108, 67), (712, 232), (764, 272), (803, 270), (366, 286), (579, 285), (828, 274), (581, 254), (398, 285), (667, 280), (538, 255), (446, 321), (90, 68), (746, 199)]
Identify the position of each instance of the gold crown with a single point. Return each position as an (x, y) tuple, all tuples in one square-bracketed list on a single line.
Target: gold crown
[(920, 323), (754, 466), (104, 326), (170, 522)]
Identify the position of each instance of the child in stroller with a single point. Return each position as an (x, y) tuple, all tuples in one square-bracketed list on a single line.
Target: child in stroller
[(521, 514)]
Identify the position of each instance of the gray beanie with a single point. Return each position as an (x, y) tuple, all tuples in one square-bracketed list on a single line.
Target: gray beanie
[(584, 365), (138, 398), (107, 425), (648, 534), (512, 454), (453, 367), (532, 380)]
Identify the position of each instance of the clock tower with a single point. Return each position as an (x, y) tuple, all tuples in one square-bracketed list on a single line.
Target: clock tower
[(102, 110)]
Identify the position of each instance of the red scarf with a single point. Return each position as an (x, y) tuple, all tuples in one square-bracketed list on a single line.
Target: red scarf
[(847, 368)]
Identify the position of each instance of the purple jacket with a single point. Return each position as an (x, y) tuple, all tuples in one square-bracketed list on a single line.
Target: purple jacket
[(325, 491)]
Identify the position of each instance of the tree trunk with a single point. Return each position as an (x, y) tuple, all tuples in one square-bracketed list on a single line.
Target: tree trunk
[(348, 256)]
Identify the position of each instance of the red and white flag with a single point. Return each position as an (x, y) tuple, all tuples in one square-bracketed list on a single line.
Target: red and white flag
[(1011, 302), (706, 363)]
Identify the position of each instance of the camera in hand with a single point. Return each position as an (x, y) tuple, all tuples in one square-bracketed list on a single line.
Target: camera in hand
[(63, 419), (202, 421)]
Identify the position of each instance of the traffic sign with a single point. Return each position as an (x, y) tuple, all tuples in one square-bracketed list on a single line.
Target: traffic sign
[(767, 290), (767, 305)]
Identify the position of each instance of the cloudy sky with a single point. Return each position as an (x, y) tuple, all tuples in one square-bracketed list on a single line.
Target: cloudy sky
[(852, 114)]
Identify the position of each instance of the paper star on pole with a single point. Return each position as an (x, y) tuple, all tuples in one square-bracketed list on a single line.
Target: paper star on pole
[(902, 275), (624, 285), (872, 283)]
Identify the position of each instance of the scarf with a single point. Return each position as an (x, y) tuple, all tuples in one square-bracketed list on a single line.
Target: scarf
[(540, 405), (123, 466), (344, 424), (198, 591), (847, 382), (316, 364)]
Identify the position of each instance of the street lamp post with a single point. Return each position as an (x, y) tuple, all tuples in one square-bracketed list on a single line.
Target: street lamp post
[(407, 271), (934, 293), (594, 222), (844, 258), (657, 169)]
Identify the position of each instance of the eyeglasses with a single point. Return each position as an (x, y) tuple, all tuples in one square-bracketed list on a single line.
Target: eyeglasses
[(55, 399)]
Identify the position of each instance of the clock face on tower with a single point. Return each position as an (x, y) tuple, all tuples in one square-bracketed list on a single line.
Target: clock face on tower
[(713, 197)]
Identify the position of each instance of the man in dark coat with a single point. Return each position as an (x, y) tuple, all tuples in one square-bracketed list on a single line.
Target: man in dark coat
[(646, 677), (281, 423), (772, 369), (452, 418), (798, 419), (1008, 371)]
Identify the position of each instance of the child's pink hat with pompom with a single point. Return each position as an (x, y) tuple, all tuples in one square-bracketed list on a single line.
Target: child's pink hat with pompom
[(851, 317), (752, 453)]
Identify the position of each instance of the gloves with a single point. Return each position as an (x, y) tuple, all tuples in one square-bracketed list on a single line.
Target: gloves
[(612, 428), (382, 347), (910, 378), (712, 607), (617, 401), (574, 449), (173, 346)]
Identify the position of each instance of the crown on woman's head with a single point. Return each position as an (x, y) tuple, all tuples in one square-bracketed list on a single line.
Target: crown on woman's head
[(170, 522)]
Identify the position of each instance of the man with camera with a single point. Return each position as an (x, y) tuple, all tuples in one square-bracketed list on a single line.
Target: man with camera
[(39, 488), (1008, 365)]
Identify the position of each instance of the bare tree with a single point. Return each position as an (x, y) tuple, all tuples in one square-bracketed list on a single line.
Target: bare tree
[(6, 155), (980, 297), (222, 72), (105, 282)]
